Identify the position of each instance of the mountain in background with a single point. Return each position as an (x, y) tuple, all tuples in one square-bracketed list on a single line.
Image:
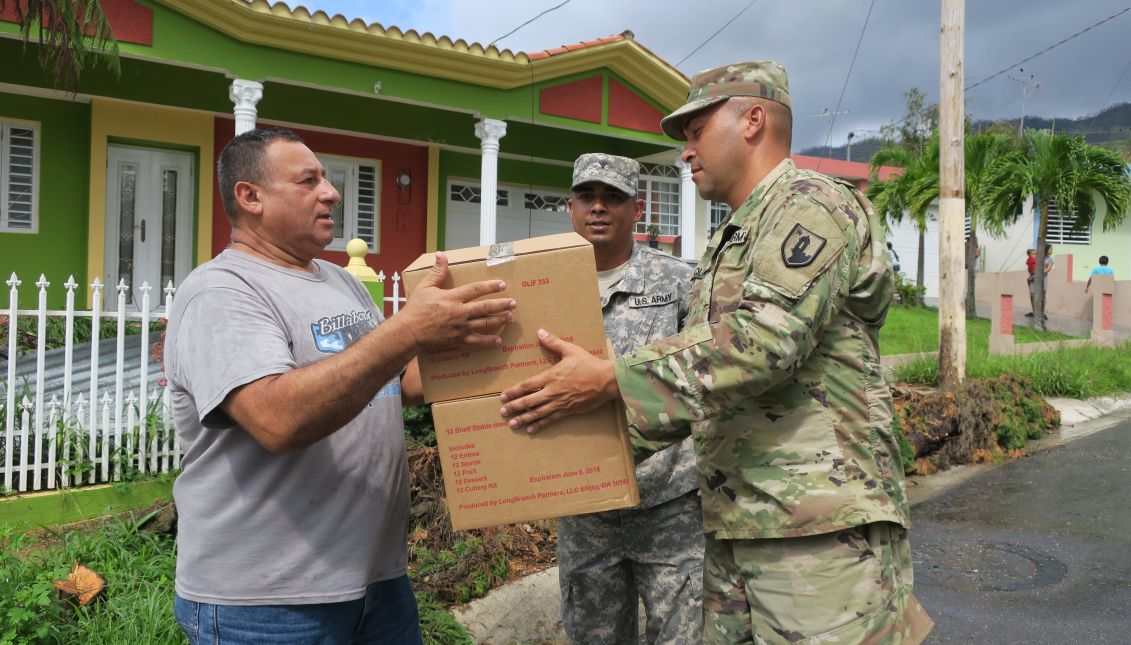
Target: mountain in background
[(1110, 128)]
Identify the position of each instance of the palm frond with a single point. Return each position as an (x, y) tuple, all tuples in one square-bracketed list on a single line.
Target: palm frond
[(73, 36)]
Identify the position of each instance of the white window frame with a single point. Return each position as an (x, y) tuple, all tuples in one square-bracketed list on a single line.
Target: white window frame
[(650, 177), (6, 126), (719, 213), (1060, 230), (350, 198)]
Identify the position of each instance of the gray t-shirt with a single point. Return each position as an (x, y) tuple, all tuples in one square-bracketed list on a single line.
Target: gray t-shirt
[(316, 525)]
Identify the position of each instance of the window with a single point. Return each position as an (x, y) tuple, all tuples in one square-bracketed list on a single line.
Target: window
[(659, 188), (357, 214), (719, 213), (19, 177), (546, 202), (1060, 230), (469, 194)]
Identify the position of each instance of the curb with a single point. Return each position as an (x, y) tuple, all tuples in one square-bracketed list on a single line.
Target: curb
[(529, 609)]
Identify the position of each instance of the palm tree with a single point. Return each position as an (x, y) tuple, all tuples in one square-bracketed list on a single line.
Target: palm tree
[(73, 35), (902, 195), (983, 153), (1065, 171)]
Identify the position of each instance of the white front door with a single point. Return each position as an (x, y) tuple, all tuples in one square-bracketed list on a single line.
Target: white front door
[(149, 213)]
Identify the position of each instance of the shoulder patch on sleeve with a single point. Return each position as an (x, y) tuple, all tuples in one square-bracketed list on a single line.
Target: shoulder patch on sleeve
[(801, 246)]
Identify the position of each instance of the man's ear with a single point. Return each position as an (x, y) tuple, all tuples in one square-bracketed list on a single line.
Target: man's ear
[(248, 197), (638, 210), (754, 120)]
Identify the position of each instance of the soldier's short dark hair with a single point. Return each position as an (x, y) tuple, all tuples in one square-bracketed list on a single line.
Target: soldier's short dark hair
[(781, 117), (243, 159)]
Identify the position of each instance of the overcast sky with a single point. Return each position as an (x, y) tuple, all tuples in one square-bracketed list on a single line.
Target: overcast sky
[(815, 40)]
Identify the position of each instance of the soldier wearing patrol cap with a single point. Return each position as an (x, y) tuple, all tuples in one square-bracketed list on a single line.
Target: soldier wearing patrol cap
[(778, 369), (608, 561)]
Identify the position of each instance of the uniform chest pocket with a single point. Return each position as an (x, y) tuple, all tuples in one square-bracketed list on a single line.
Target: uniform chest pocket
[(652, 315), (730, 266)]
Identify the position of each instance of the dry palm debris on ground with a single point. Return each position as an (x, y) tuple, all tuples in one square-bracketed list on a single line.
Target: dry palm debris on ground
[(456, 566), (984, 421)]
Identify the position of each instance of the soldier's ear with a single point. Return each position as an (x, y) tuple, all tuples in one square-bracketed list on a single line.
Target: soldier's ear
[(753, 119)]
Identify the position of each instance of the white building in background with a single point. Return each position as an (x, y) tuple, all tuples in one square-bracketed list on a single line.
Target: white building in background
[(1007, 252)]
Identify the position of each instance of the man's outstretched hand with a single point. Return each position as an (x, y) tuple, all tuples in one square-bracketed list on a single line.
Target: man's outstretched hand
[(439, 317), (576, 384)]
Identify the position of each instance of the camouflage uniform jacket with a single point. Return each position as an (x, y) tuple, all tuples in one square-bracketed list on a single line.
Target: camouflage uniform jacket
[(648, 303), (778, 366)]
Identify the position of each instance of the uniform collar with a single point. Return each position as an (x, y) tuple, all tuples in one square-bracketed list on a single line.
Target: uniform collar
[(784, 167), (632, 280)]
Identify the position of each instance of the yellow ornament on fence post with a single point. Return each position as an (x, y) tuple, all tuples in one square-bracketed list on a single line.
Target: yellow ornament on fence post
[(356, 249)]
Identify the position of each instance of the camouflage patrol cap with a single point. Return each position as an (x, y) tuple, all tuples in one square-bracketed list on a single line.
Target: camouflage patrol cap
[(621, 173), (761, 78)]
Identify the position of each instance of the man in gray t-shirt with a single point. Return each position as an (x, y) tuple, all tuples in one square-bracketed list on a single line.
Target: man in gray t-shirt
[(287, 386)]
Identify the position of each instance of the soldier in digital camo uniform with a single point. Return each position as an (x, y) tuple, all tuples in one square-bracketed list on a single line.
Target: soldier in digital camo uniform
[(778, 368), (654, 551)]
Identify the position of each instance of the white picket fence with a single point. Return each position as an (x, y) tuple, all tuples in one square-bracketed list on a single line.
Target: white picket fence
[(57, 435)]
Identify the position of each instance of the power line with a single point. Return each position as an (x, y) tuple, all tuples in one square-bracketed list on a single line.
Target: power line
[(557, 6), (1017, 64), (847, 76), (712, 37), (1046, 49), (1108, 99)]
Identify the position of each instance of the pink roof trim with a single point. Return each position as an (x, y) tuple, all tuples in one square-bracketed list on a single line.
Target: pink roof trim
[(546, 53), (844, 169)]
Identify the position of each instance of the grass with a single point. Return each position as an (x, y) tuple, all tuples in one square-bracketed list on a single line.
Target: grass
[(137, 607), (1077, 372), (910, 330)]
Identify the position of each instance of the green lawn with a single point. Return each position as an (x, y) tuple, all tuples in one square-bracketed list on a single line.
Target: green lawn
[(910, 330), (1074, 372)]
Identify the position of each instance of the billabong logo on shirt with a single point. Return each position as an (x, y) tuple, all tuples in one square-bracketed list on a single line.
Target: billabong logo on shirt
[(333, 334)]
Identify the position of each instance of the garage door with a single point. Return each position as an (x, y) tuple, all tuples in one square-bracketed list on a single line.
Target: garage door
[(521, 212)]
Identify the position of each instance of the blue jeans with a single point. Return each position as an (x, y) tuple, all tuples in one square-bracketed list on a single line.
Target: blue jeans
[(387, 614)]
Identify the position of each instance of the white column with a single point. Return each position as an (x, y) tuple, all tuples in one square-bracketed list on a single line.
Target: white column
[(686, 212), (489, 132), (245, 95)]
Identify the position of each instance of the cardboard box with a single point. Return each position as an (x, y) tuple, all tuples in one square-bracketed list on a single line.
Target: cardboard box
[(554, 281), (494, 475)]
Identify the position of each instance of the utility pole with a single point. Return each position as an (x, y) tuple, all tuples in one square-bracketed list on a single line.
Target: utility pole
[(829, 116), (1028, 86), (851, 136), (952, 197)]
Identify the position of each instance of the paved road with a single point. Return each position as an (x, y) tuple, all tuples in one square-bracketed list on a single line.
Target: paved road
[(1036, 551)]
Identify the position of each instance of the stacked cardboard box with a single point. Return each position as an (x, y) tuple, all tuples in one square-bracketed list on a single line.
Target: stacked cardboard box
[(495, 475)]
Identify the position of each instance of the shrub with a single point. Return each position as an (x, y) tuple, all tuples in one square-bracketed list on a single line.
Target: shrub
[(981, 422), (418, 426), (908, 293), (906, 452)]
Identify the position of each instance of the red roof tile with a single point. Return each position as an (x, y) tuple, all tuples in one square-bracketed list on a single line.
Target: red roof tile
[(546, 53)]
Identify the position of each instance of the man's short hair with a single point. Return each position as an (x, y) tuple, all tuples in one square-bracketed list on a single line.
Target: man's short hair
[(1103, 260), (780, 123), (243, 159)]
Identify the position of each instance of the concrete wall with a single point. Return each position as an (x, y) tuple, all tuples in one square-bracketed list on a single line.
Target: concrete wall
[(1066, 300)]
